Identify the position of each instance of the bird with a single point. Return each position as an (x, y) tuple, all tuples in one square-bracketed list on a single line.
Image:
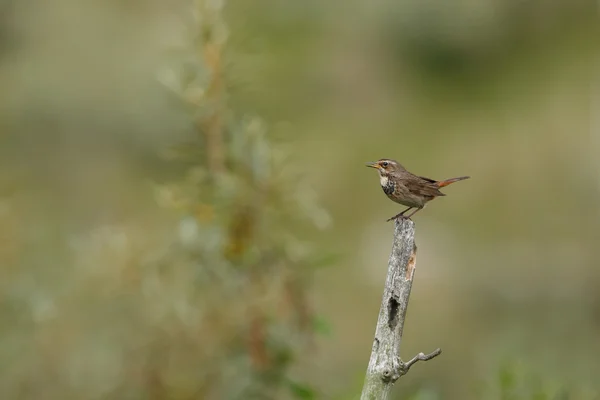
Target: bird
[(406, 188)]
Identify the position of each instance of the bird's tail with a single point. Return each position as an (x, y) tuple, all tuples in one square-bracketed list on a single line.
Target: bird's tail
[(452, 180)]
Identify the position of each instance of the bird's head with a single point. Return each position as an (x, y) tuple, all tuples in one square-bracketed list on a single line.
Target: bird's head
[(385, 166)]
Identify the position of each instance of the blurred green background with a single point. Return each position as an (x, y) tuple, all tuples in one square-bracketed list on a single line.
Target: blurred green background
[(185, 211)]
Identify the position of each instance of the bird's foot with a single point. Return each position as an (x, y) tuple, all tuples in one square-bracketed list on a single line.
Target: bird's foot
[(398, 216)]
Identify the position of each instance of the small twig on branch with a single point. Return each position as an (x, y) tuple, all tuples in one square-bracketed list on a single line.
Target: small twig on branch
[(385, 365), (420, 357)]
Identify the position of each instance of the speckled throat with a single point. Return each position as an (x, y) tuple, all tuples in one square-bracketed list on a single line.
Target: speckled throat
[(387, 184)]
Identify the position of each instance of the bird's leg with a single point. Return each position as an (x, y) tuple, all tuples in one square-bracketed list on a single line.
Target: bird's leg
[(400, 215), (413, 213)]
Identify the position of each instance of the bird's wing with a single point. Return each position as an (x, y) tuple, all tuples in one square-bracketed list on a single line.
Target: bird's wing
[(427, 179), (424, 186)]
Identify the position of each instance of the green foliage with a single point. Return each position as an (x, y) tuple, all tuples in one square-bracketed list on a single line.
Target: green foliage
[(198, 290), (514, 380), (240, 224)]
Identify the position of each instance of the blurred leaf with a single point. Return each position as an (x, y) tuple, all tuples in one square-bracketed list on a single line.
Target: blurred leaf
[(324, 259), (425, 394), (507, 378), (301, 390), (322, 326), (540, 395), (563, 394)]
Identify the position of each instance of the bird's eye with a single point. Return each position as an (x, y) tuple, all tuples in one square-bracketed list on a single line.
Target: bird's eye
[(385, 163)]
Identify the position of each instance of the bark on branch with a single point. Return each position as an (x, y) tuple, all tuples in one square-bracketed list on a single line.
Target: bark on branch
[(385, 365)]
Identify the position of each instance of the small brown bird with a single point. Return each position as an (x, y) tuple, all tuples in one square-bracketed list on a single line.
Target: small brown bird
[(406, 188)]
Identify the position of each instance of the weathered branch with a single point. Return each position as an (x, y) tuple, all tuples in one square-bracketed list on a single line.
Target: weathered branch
[(385, 365)]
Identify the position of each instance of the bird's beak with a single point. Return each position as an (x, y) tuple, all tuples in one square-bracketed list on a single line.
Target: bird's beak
[(372, 165)]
